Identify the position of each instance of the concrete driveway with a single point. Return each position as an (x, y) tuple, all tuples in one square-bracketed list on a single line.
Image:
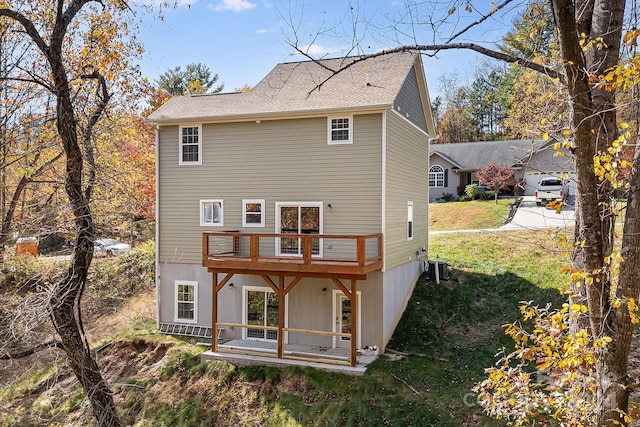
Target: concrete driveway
[(530, 216)]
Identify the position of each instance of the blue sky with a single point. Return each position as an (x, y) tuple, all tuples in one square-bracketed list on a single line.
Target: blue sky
[(242, 40)]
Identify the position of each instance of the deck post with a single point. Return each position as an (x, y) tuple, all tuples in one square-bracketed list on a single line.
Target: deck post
[(354, 321), (307, 249), (214, 313), (280, 317), (255, 247)]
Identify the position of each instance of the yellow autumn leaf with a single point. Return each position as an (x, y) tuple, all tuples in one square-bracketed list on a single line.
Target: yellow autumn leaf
[(545, 136)]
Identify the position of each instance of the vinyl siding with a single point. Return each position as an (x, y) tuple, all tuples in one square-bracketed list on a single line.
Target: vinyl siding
[(279, 161), (308, 293), (406, 179), (408, 102), (453, 178)]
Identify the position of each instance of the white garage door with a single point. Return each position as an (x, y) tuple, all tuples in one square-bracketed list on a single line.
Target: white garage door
[(531, 180)]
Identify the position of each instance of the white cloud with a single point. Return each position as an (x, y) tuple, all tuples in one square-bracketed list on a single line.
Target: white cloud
[(265, 30), (166, 5), (317, 50), (234, 5)]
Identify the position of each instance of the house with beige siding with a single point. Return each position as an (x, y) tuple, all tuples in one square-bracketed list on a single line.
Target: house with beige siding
[(292, 219)]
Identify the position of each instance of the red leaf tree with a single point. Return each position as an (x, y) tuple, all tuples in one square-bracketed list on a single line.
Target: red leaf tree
[(496, 177)]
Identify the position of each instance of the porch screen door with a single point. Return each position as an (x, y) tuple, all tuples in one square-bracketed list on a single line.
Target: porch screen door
[(298, 219)]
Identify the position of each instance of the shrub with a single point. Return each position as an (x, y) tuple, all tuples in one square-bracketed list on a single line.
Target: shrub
[(471, 191), (447, 197), (488, 195), (464, 198)]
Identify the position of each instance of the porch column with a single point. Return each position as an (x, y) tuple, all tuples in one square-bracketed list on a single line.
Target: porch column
[(214, 313), (280, 317), (354, 321)]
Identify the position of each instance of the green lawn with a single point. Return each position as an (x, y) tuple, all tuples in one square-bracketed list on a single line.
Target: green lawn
[(470, 215)]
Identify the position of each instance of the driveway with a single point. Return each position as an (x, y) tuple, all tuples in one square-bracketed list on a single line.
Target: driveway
[(529, 216)]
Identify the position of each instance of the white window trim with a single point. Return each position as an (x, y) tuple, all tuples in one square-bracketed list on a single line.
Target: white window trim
[(279, 223), (245, 293), (410, 223), (436, 174), (180, 161), (245, 202), (202, 216), (195, 301), (336, 294), (350, 129)]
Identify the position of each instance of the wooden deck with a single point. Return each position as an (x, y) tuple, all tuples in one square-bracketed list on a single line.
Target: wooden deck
[(275, 257), (300, 255)]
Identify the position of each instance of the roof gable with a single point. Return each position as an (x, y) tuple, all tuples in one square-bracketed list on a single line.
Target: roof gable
[(293, 89)]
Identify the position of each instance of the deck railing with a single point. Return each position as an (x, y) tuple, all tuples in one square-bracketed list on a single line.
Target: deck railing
[(253, 250)]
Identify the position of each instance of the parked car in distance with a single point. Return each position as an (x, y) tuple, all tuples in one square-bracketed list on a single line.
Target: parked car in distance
[(550, 189), (109, 247)]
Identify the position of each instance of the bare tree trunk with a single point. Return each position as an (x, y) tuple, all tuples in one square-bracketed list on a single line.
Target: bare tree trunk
[(65, 306)]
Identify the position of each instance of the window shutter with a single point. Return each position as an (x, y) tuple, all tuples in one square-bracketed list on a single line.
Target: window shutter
[(446, 177)]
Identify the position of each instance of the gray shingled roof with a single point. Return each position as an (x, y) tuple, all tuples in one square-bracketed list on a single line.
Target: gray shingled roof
[(476, 155), (374, 82)]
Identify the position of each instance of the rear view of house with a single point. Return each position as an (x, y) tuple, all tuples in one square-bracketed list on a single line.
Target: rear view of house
[(292, 219)]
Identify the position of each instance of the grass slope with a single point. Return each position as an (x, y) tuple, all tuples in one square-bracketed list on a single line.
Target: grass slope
[(448, 334), (470, 215)]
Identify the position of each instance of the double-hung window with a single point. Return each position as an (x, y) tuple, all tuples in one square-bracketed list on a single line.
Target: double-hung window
[(186, 300), (340, 130), (211, 212), (190, 145), (253, 213), (436, 176)]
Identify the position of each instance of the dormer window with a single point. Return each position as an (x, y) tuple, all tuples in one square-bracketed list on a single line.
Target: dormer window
[(190, 145), (340, 130)]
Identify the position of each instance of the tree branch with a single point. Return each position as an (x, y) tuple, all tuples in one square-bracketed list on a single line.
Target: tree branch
[(479, 21), (28, 352), (437, 47)]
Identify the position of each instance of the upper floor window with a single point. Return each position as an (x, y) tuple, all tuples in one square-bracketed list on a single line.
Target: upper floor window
[(436, 176), (190, 145), (211, 212), (253, 213), (340, 130)]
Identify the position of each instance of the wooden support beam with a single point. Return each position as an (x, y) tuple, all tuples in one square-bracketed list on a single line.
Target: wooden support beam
[(226, 279), (271, 283), (294, 282), (214, 313), (281, 317), (342, 287), (354, 322)]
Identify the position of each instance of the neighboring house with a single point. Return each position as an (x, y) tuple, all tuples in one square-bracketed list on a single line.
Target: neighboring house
[(292, 219), (454, 166)]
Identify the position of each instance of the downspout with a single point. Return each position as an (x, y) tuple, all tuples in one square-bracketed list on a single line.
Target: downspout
[(384, 188), (157, 231)]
